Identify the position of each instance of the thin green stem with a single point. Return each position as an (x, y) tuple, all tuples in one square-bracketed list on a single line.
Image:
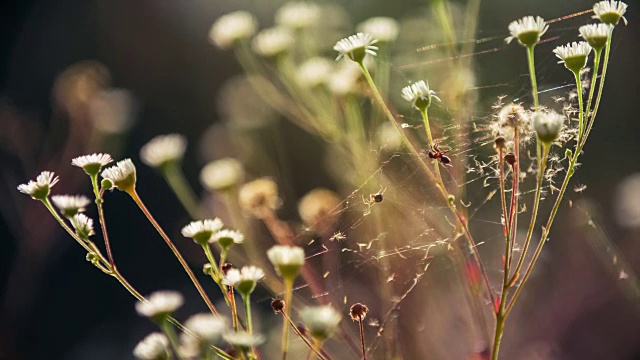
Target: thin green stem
[(605, 65), (178, 183), (247, 312), (66, 227), (288, 322), (594, 78), (174, 249), (500, 319), (580, 107), (288, 295), (169, 330), (101, 218), (532, 74)]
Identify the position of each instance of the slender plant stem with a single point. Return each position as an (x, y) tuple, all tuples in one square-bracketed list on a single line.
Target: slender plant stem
[(289, 322), (503, 199), (364, 349), (101, 218), (178, 183), (605, 65), (234, 309), (532, 74), (168, 330), (288, 295), (247, 311), (594, 78), (174, 249), (580, 107), (64, 225)]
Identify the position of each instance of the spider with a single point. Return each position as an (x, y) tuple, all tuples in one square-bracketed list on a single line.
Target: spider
[(435, 153), (374, 198)]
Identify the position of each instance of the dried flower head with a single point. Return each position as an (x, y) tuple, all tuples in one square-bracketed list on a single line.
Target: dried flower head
[(83, 225), (70, 205), (154, 347), (419, 95), (242, 340), (573, 55), (314, 72), (356, 47), (610, 12), (298, 15), (92, 164), (259, 196), (122, 175), (384, 29), (244, 280), (320, 209), (227, 237), (273, 41), (160, 304), (547, 125), (510, 117), (287, 260), (222, 174), (358, 311), (278, 305), (321, 321), (596, 35), (527, 30), (208, 327), (233, 27), (39, 189), (163, 150), (201, 231)]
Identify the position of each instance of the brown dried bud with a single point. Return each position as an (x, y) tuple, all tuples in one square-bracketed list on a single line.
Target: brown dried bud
[(510, 158), (302, 329), (500, 143), (277, 305), (358, 311), (226, 267)]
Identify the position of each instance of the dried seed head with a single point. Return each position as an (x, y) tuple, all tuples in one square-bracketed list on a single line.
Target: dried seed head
[(226, 267), (277, 305), (358, 311), (259, 196), (510, 159), (320, 209), (512, 116), (500, 143)]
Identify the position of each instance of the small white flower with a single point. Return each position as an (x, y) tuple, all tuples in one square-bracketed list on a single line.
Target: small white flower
[(243, 340), (573, 55), (385, 29), (244, 280), (122, 175), (356, 47), (70, 205), (610, 12), (419, 95), (287, 260), (92, 164), (222, 174), (596, 35), (273, 41), (298, 15), (160, 304), (321, 321), (259, 195), (232, 27), (207, 327), (40, 188), (314, 72), (154, 347), (202, 230), (344, 79), (83, 225), (164, 149), (527, 30), (227, 237), (547, 125)]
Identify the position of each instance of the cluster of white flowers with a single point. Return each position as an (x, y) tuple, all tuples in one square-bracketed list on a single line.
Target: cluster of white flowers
[(201, 231), (122, 175), (40, 188), (233, 27)]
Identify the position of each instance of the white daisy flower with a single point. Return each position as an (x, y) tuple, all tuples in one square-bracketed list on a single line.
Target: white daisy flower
[(243, 340), (202, 230), (40, 188), (222, 174), (573, 55), (527, 30), (298, 15), (314, 72), (547, 125), (227, 237), (273, 41), (287, 260), (419, 95), (321, 321), (231, 28), (160, 304), (154, 347), (244, 280), (385, 29), (207, 327), (596, 35), (163, 150), (70, 205), (121, 175), (259, 195), (356, 47), (92, 164), (344, 80), (610, 12), (83, 225)]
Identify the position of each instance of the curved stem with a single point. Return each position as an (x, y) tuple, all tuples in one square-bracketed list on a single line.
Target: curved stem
[(580, 108), (532, 75), (594, 78), (288, 295), (66, 227), (101, 218), (171, 335), (178, 183), (288, 322), (605, 65)]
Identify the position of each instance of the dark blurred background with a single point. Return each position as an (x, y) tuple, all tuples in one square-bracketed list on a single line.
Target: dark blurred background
[(53, 305)]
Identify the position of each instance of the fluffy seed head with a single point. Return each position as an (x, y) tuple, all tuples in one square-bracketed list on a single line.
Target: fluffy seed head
[(314, 72), (320, 209), (287, 260), (385, 29), (163, 150), (511, 116), (221, 175), (160, 304), (321, 321), (154, 347), (70, 205), (419, 95), (356, 47), (227, 237), (244, 280), (122, 175), (298, 15), (273, 41), (547, 125), (207, 327), (573, 55), (231, 28), (201, 231), (610, 12), (83, 225), (527, 30), (92, 164), (596, 35), (259, 196), (39, 189)]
